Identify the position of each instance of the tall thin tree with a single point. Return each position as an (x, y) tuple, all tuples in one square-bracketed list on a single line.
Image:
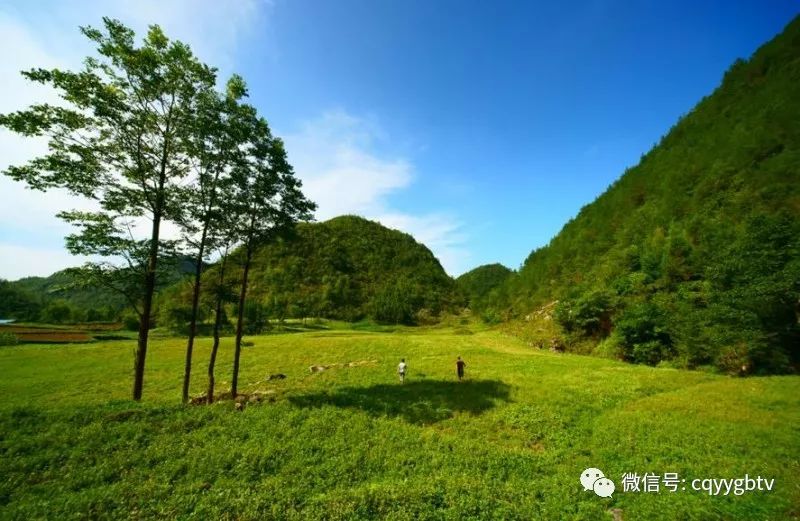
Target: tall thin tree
[(119, 140), (270, 202), (214, 148), (221, 294)]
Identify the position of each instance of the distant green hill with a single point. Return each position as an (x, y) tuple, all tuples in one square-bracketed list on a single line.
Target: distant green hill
[(478, 284), (349, 268), (57, 298), (693, 255)]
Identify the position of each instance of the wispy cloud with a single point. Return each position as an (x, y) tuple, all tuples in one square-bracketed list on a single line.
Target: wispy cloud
[(333, 157), (337, 157), (443, 234)]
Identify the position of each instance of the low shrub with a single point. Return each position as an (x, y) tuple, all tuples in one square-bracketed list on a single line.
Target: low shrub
[(8, 339)]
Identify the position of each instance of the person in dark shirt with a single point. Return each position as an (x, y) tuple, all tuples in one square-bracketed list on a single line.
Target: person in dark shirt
[(460, 365)]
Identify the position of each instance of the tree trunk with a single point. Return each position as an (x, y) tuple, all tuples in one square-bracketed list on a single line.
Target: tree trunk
[(198, 268), (217, 321), (152, 265), (147, 306), (240, 322)]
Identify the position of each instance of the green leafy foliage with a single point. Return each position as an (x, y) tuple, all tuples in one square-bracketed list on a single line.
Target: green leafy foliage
[(256, 320), (130, 321), (57, 312), (395, 303), (644, 334), (83, 292), (588, 314), (87, 303)]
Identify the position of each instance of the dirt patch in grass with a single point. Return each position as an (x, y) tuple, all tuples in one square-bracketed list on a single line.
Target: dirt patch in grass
[(29, 334)]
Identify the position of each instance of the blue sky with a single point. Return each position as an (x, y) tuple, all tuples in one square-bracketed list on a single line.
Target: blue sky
[(479, 127)]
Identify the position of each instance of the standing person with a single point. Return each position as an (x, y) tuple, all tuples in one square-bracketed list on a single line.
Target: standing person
[(401, 370), (460, 365)]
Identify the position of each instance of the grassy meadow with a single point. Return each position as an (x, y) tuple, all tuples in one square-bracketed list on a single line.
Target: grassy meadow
[(351, 443)]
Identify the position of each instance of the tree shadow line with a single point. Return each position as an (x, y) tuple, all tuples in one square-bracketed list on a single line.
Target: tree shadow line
[(420, 402)]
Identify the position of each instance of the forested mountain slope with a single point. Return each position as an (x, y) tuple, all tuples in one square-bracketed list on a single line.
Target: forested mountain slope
[(693, 255)]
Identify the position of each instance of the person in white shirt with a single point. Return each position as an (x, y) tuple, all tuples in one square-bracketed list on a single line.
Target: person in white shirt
[(401, 370)]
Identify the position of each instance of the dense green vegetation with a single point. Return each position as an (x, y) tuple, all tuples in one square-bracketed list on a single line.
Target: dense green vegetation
[(478, 285), (352, 443), (17, 303), (64, 297), (347, 268), (350, 268), (693, 255), (58, 299)]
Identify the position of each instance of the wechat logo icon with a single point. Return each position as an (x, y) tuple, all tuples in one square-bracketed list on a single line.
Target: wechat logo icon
[(594, 479)]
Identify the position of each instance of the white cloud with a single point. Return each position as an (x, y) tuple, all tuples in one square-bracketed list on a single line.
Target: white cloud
[(331, 155), (335, 157), (24, 261), (28, 216), (442, 233)]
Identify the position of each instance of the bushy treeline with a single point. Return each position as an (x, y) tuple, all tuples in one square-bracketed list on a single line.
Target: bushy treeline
[(347, 268), (54, 300), (18, 303), (693, 255), (23, 306)]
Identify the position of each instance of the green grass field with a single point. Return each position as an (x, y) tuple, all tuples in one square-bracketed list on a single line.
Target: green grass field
[(352, 443)]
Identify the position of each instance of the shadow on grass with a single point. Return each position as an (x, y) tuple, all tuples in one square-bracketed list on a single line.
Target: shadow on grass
[(419, 402)]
